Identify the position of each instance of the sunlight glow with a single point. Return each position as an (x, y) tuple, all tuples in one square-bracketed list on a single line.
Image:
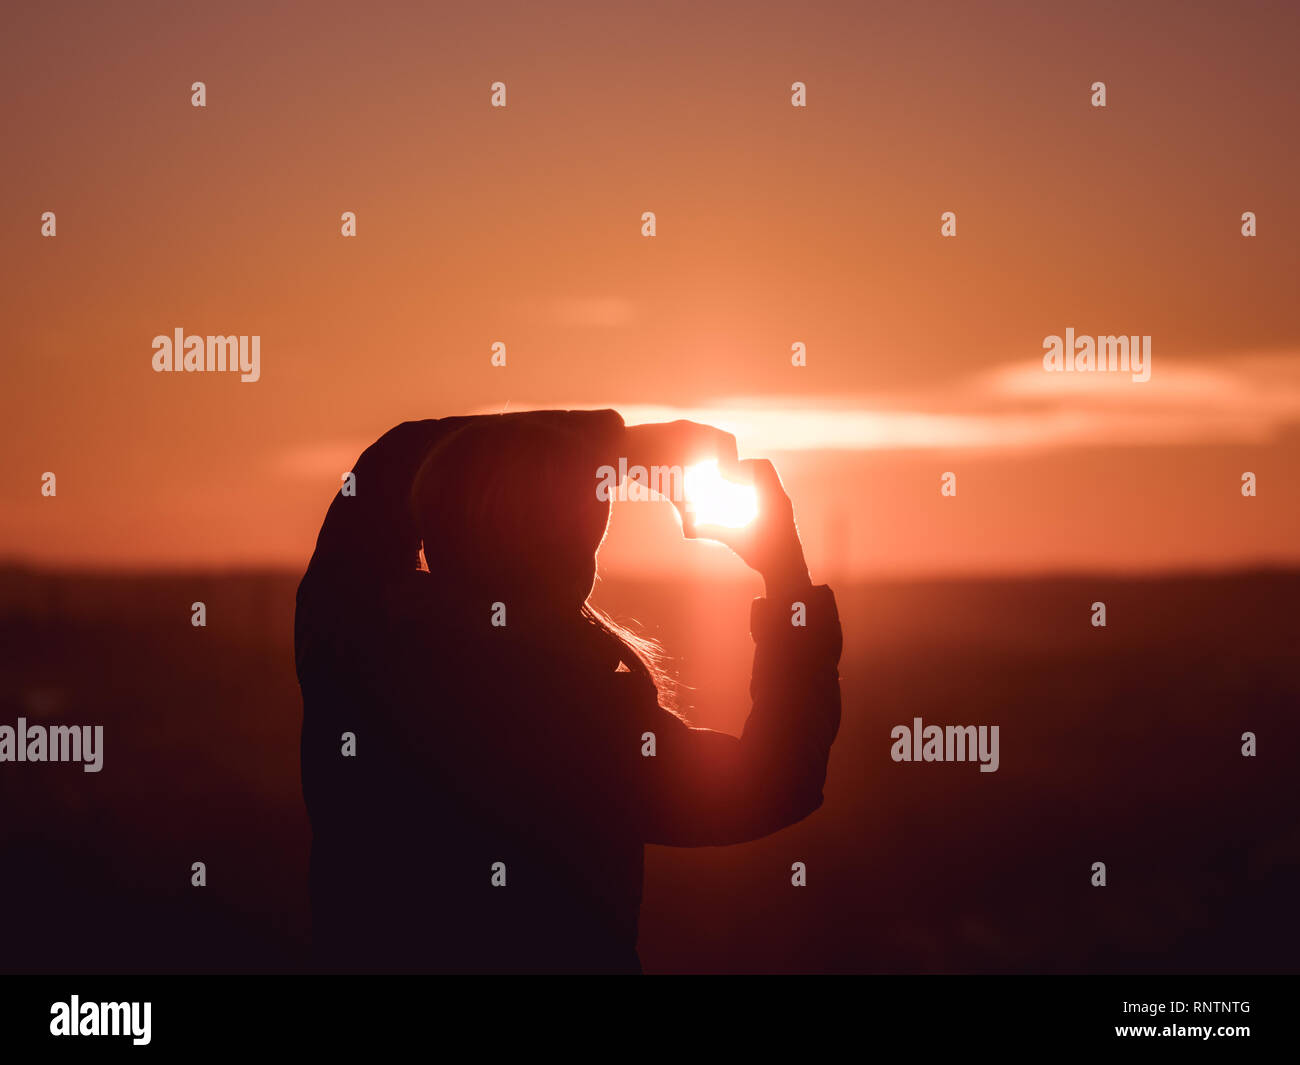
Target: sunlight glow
[(713, 500)]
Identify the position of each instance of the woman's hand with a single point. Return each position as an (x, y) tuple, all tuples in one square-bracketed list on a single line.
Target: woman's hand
[(673, 446), (679, 443), (770, 543)]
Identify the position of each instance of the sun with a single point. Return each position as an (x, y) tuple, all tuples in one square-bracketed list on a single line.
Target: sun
[(713, 500)]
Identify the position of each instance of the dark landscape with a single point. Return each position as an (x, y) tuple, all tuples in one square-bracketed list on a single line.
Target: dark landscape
[(1120, 745)]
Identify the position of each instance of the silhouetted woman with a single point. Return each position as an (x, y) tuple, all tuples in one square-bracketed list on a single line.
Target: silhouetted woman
[(475, 737)]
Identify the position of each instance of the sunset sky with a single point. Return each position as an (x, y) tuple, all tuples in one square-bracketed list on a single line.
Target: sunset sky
[(776, 225)]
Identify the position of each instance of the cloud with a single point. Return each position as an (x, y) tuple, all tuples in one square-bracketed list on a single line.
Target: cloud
[(1017, 406), (319, 459), (1012, 407), (593, 313)]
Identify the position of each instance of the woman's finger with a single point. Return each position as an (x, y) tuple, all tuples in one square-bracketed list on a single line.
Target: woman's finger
[(762, 475)]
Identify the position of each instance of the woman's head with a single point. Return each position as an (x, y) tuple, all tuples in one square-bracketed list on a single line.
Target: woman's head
[(508, 512), (507, 509)]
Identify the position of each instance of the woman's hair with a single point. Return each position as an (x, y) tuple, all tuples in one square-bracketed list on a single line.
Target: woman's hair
[(646, 654), (506, 506)]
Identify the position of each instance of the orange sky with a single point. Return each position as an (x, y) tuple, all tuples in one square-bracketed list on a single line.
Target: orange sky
[(775, 225)]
